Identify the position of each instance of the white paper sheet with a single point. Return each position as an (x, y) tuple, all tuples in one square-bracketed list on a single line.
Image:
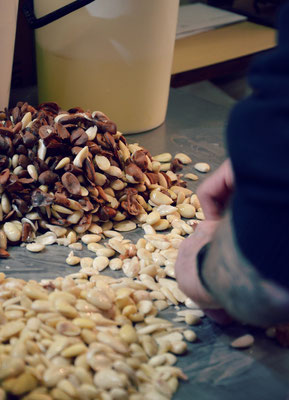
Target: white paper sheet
[(198, 17)]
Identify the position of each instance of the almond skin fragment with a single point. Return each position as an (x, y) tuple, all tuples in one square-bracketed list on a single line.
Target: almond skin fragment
[(71, 183)]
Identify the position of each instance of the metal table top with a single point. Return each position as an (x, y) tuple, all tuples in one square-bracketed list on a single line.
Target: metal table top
[(195, 124)]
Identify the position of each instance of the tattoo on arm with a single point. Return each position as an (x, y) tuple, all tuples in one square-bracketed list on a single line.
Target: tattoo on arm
[(238, 286)]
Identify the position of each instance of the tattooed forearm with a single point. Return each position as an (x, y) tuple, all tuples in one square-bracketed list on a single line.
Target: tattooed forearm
[(238, 287)]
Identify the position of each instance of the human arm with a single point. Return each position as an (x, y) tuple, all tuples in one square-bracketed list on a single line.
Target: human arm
[(238, 286), (226, 279), (253, 238)]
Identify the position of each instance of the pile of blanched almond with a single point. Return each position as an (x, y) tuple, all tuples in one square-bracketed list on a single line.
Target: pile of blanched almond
[(91, 336), (70, 178)]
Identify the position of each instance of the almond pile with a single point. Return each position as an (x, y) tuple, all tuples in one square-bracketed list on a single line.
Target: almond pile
[(71, 178), (63, 172)]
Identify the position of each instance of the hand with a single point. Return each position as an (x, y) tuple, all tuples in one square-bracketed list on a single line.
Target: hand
[(215, 192), (187, 274), (185, 267)]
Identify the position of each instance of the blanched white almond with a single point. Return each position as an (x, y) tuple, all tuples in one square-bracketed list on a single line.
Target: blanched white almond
[(100, 179), (160, 198), (11, 329), (17, 170), (131, 267), (64, 161), (91, 132), (72, 260), (47, 238), (179, 347), (15, 160), (58, 230), (145, 306), (200, 215), (165, 210), (96, 229), (12, 232), (94, 246), (5, 204), (153, 217), (99, 298), (3, 239), (112, 234), (107, 378), (100, 263), (144, 254), (186, 210), (183, 158), (161, 304), (163, 157), (41, 152), (114, 171), (128, 333), (105, 251), (124, 150), (192, 319), (156, 165), (118, 184), (53, 375), (75, 246), (117, 245), (32, 172), (191, 176), (90, 238), (243, 342), (149, 230), (195, 201), (86, 262), (165, 167), (81, 156), (102, 162), (157, 360), (173, 177), (35, 247), (202, 167), (61, 209), (83, 191), (74, 350), (115, 264), (65, 308), (75, 217), (124, 226), (181, 198), (26, 119), (190, 336), (161, 225)]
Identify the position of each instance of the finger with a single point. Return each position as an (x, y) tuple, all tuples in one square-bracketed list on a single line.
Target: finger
[(220, 316), (187, 275), (215, 191)]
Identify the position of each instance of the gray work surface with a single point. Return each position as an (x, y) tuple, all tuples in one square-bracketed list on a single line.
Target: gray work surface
[(195, 124)]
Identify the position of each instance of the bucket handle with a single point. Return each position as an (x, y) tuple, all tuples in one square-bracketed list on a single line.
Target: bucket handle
[(36, 23)]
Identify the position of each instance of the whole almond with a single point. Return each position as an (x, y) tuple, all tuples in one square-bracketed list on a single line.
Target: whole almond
[(202, 167), (243, 342)]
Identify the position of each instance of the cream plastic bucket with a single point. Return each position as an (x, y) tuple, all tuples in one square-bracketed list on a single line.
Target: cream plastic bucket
[(111, 55), (8, 14)]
